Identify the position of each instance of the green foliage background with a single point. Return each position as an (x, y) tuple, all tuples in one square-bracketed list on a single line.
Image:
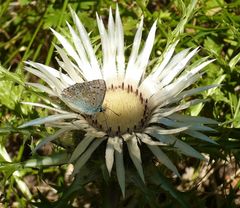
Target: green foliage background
[(25, 35)]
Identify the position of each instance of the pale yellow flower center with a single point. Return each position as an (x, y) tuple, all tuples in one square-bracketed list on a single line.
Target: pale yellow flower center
[(125, 110)]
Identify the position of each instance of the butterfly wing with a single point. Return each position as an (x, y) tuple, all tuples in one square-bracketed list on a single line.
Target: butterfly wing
[(87, 96)]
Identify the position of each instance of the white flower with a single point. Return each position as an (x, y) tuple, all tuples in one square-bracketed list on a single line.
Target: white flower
[(140, 108)]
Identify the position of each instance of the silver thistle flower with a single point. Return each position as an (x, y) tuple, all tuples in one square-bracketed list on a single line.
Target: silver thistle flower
[(140, 108)]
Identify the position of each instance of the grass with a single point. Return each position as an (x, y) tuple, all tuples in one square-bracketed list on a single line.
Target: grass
[(42, 181)]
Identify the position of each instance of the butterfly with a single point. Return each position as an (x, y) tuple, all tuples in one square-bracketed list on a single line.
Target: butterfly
[(87, 97)]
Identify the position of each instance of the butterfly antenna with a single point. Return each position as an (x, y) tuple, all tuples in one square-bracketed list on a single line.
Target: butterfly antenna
[(113, 111)]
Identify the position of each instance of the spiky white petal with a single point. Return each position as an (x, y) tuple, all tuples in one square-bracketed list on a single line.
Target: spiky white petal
[(163, 158), (148, 85), (49, 119), (82, 124), (134, 153), (109, 154), (68, 66), (186, 94), (95, 68), (109, 69), (172, 71), (82, 55), (45, 106), (167, 131), (56, 88), (56, 135), (41, 88), (180, 145), (120, 47), (120, 165), (147, 140), (194, 126), (192, 119), (137, 70), (164, 112), (135, 51), (81, 147), (86, 155), (199, 135), (72, 53)]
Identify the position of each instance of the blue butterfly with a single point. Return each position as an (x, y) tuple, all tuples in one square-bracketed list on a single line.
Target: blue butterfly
[(88, 97)]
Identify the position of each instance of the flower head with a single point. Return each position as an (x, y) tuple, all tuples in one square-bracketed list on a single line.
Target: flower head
[(115, 100)]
